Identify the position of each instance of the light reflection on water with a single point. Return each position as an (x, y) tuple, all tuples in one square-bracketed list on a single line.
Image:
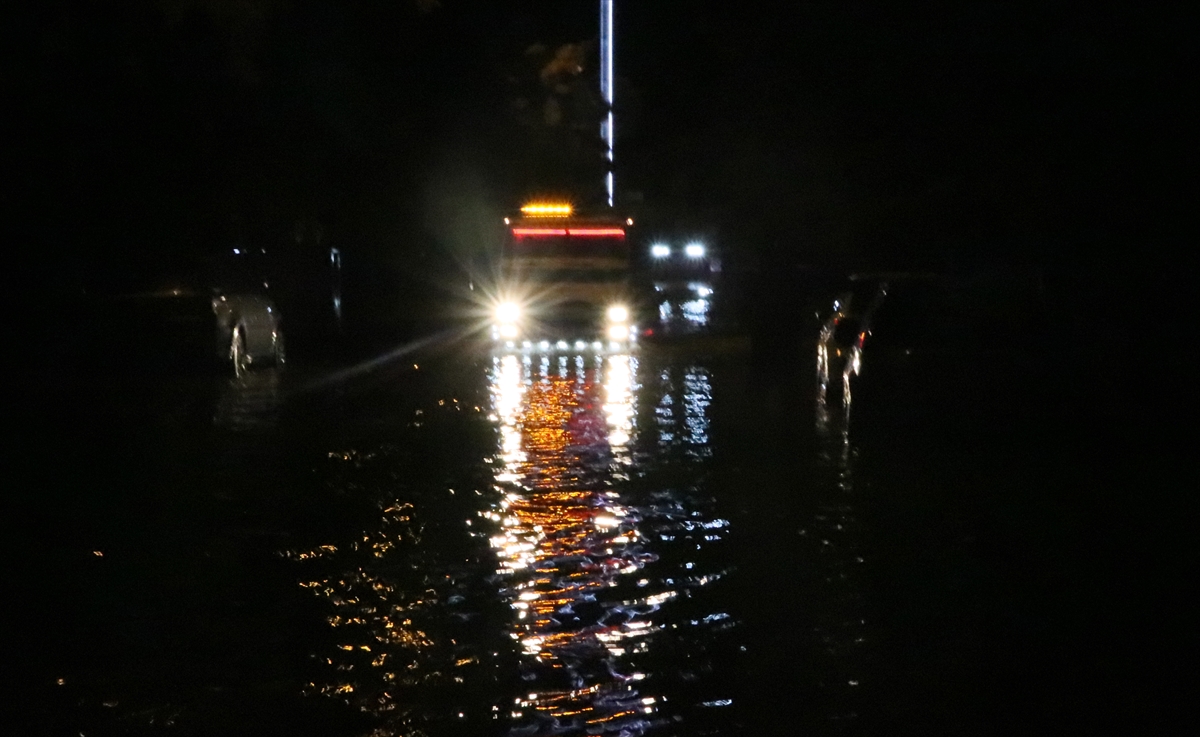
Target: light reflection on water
[(586, 562), (571, 552), (684, 308), (249, 403), (835, 537), (681, 416)]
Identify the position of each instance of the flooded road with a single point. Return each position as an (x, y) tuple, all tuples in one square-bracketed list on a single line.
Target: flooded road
[(456, 543), (554, 581)]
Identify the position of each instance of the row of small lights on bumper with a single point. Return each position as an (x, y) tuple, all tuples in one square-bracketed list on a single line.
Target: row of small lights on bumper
[(507, 328), (691, 250), (563, 345)]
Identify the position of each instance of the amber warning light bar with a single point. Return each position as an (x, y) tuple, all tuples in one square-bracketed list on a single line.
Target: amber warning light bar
[(547, 209)]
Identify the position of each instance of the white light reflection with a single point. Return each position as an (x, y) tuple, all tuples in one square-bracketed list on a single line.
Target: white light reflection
[(664, 413), (695, 311), (508, 389), (836, 544), (618, 406), (697, 395)]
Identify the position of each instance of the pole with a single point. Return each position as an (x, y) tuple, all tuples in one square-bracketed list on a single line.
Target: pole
[(606, 90)]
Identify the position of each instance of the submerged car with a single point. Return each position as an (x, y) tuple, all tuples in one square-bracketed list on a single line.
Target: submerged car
[(916, 335), (843, 331), (910, 307), (179, 332), (249, 332)]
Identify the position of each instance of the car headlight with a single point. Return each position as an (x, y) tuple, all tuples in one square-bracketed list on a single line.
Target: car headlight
[(508, 312), (694, 250), (618, 313), (618, 332)]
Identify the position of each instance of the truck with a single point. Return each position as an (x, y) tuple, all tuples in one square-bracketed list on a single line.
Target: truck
[(565, 281)]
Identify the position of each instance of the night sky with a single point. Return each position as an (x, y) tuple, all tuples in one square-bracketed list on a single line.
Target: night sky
[(944, 135)]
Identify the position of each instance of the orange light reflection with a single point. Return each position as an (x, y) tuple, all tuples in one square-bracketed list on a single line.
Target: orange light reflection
[(564, 538)]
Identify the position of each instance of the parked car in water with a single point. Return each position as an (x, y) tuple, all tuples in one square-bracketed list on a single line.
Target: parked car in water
[(845, 328), (249, 332), (176, 333), (917, 333)]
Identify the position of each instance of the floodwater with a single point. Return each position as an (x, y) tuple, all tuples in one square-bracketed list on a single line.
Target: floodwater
[(665, 542)]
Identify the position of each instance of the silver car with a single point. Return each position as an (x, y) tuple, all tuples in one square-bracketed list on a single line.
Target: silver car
[(249, 332)]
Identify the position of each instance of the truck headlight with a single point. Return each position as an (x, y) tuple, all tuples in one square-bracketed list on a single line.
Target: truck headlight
[(508, 312), (618, 314)]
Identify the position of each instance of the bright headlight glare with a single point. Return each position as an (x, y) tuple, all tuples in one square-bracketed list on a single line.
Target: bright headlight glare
[(618, 313), (660, 251), (694, 250), (508, 312), (617, 332)]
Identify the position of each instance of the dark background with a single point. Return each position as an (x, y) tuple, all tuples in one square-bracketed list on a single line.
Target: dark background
[(947, 134), (146, 139)]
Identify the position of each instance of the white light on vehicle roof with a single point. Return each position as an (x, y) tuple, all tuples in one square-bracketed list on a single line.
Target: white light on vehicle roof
[(694, 250), (659, 250)]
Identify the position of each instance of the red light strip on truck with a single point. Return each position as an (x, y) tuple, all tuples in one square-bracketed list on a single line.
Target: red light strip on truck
[(545, 232), (597, 231), (539, 231)]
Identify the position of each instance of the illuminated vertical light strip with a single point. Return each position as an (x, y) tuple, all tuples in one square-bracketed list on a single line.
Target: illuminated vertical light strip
[(606, 88)]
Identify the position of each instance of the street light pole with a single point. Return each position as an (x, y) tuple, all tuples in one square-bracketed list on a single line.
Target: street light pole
[(606, 90)]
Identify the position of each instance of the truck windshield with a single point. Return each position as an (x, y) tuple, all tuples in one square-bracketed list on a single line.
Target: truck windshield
[(568, 247)]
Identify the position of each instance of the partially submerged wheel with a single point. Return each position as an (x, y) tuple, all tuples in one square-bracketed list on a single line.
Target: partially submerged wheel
[(279, 353), (238, 356)]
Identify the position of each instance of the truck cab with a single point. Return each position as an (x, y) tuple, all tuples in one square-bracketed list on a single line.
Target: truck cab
[(564, 281)]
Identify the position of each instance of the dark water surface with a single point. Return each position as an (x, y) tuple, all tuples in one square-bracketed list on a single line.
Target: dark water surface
[(665, 542)]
